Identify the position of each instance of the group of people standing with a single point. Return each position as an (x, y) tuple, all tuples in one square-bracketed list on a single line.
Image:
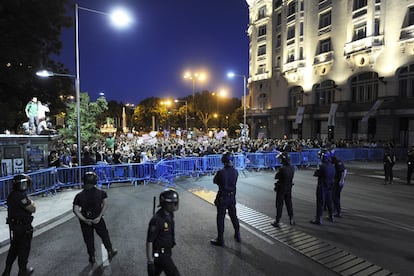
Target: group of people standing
[(36, 113), (331, 175)]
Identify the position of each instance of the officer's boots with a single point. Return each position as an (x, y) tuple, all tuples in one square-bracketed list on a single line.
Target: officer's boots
[(317, 221), (26, 272), (112, 253), (291, 221), (217, 242), (237, 236)]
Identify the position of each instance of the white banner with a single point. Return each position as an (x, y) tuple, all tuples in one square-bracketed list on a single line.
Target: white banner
[(299, 114), (373, 109), (332, 111)]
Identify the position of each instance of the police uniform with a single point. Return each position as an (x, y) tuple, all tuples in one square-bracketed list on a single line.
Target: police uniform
[(88, 206), (161, 234), (325, 174), (410, 164), (283, 188), (389, 161), (340, 170), (226, 180), (21, 231)]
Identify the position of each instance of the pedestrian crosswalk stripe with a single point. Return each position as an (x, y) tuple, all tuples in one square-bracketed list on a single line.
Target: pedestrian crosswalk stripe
[(328, 255)]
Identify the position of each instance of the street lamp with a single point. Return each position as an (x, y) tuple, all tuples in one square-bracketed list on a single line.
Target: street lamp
[(232, 75), (193, 77), (186, 112), (119, 18)]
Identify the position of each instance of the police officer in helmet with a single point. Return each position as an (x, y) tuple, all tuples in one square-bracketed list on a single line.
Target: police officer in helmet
[(20, 210), (325, 174), (161, 236), (226, 179), (283, 188), (89, 206)]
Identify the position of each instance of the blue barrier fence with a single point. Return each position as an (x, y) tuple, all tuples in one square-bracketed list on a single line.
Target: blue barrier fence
[(49, 180)]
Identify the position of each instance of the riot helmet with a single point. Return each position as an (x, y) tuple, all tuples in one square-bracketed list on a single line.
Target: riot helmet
[(169, 200), (227, 158), (22, 182), (324, 155), (284, 158), (90, 178)]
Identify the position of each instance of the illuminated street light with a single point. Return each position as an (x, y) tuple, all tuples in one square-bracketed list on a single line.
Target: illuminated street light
[(193, 77), (232, 75), (186, 112), (119, 19)]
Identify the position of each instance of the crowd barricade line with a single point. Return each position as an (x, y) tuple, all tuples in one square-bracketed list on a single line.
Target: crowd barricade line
[(48, 181)]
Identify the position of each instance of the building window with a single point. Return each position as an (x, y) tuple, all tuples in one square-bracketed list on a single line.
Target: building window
[(376, 27), (302, 6), (261, 50), (261, 69), (278, 41), (360, 31), (411, 16), (324, 20), (325, 93), (364, 88), (278, 62), (262, 30), (291, 55), (295, 99), (358, 4), (301, 29), (300, 52), (262, 13), (406, 82), (291, 32), (324, 46), (261, 101), (278, 19), (291, 8)]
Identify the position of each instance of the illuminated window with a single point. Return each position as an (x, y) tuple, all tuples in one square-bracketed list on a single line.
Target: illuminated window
[(376, 26), (261, 69), (291, 55), (325, 93), (261, 101)]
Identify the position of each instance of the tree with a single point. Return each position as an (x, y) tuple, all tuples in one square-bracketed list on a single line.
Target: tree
[(30, 34), (89, 112)]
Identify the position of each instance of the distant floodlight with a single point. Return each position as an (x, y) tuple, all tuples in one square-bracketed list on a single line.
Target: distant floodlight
[(230, 74), (120, 18)]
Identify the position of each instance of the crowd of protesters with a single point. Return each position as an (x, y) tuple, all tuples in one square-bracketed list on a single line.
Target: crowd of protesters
[(132, 149)]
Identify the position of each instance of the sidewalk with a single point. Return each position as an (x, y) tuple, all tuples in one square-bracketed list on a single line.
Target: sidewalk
[(49, 209)]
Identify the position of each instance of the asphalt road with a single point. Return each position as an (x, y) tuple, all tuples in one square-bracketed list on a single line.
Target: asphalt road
[(378, 226)]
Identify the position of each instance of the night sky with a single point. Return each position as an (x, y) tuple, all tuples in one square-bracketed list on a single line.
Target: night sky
[(167, 38)]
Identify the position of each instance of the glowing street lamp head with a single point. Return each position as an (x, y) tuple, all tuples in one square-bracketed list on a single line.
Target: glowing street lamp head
[(120, 18), (44, 73), (230, 74)]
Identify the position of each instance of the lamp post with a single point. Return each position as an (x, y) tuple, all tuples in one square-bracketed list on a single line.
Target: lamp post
[(186, 112), (193, 77), (121, 19), (232, 75)]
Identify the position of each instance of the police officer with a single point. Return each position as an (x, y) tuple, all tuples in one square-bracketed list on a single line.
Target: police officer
[(339, 181), (410, 164), (283, 188), (325, 174), (20, 210), (226, 180), (389, 161), (89, 206), (161, 236)]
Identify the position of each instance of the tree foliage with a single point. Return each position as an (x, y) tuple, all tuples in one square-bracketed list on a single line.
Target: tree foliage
[(89, 112), (30, 34)]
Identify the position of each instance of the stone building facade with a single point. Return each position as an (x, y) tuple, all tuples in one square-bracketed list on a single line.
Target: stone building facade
[(331, 69)]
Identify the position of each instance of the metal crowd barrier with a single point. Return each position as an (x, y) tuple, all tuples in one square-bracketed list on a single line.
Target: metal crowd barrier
[(49, 180)]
